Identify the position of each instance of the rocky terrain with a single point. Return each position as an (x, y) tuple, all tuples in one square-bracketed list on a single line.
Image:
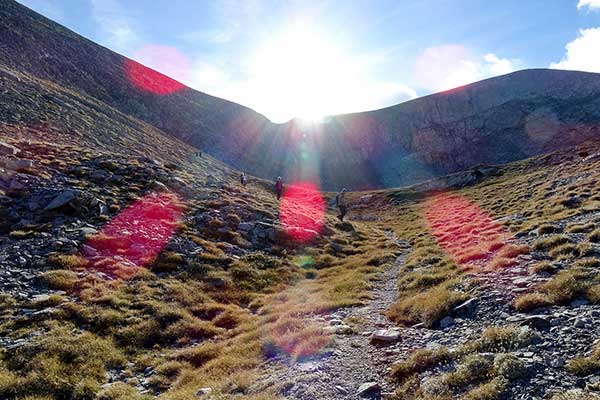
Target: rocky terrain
[(498, 120), (134, 266), (483, 344), (483, 284), (166, 270)]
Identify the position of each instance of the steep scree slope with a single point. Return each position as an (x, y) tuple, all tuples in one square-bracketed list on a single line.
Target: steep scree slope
[(494, 121)]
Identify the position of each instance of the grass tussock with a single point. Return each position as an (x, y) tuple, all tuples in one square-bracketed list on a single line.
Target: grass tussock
[(61, 361), (427, 307), (594, 236), (60, 279), (420, 361), (551, 242), (68, 261), (483, 369), (531, 301)]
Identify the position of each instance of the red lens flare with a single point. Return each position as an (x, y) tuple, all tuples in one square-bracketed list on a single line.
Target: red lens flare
[(466, 231), (302, 211), (164, 58), (138, 234), (297, 336)]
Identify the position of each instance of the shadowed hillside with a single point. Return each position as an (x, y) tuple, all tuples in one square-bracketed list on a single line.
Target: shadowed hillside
[(493, 121)]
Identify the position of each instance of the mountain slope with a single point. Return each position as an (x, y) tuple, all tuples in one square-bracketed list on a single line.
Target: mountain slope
[(32, 43), (493, 121)]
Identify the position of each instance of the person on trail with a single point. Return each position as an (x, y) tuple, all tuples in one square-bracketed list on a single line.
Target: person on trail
[(243, 179), (279, 187), (342, 205)]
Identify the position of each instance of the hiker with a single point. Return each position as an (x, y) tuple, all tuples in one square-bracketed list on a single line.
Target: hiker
[(279, 187), (340, 202), (243, 179)]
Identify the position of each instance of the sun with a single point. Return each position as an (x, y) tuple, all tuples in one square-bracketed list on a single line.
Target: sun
[(300, 73)]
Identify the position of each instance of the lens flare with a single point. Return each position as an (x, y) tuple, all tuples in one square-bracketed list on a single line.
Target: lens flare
[(138, 234), (296, 336), (163, 58), (462, 228), (304, 261), (302, 211)]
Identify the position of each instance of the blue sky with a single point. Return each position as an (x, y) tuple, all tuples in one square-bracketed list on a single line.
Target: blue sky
[(307, 59)]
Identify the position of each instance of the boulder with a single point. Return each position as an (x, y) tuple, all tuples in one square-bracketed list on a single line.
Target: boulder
[(336, 247), (339, 329), (446, 322), (203, 393), (178, 181), (147, 160), (245, 227), (62, 199), (385, 336), (579, 302), (100, 175), (537, 322), (159, 186), (345, 226), (15, 185), (368, 389), (40, 298), (16, 164), (8, 149), (466, 309)]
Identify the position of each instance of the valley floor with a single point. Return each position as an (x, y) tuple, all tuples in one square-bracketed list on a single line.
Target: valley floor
[(489, 291)]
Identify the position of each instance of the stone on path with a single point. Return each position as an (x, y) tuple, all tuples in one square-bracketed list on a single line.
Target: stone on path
[(385, 335), (340, 329), (368, 389)]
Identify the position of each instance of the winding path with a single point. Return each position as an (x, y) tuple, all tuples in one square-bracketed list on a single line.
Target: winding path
[(351, 359)]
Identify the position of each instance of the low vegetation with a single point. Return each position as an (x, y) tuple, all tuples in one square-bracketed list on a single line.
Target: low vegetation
[(206, 315), (482, 369), (549, 215)]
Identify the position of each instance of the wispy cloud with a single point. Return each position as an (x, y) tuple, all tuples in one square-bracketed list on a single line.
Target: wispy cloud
[(449, 66), (589, 4), (230, 19), (117, 27), (582, 53)]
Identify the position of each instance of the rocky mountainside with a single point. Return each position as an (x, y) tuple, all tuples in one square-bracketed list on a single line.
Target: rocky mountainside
[(494, 121), (133, 268)]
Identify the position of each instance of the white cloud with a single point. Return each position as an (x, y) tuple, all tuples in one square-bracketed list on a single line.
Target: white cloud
[(590, 4), (116, 25), (449, 66), (498, 66), (582, 53)]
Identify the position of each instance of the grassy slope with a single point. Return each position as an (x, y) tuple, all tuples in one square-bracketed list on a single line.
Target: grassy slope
[(551, 203), (198, 316)]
